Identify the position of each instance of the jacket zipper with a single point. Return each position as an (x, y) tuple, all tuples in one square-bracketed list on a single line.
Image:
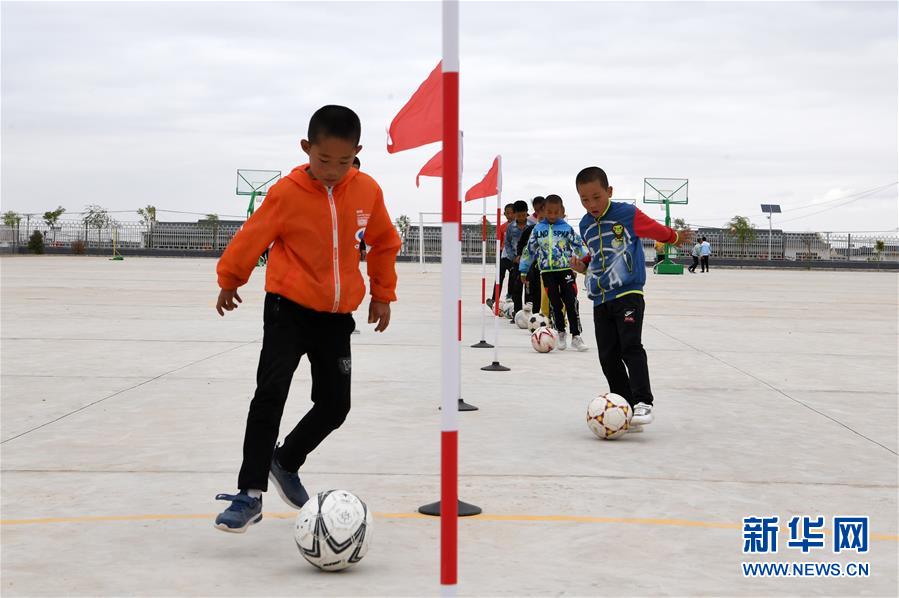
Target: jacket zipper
[(335, 252), (550, 246), (602, 255)]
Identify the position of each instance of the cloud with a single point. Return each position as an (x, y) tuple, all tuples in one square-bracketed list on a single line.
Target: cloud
[(126, 104)]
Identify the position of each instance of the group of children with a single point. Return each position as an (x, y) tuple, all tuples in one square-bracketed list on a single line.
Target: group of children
[(537, 252), (313, 221)]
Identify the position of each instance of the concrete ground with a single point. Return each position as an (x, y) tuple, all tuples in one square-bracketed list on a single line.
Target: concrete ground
[(124, 397)]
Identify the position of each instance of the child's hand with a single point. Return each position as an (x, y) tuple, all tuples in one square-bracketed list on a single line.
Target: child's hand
[(379, 312), (226, 301), (578, 265)]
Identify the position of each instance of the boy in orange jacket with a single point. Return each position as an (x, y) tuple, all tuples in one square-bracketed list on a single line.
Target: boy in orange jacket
[(313, 283)]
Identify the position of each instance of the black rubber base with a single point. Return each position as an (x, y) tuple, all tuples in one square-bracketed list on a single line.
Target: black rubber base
[(495, 367), (463, 406), (465, 509), (482, 345)]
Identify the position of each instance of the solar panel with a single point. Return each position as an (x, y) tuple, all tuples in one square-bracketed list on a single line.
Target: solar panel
[(770, 208)]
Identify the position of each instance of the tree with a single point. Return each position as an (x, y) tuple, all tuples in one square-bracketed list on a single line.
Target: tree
[(11, 219), (879, 246), (684, 232), (403, 224), (148, 217), (36, 242), (741, 228), (96, 217), (212, 221), (50, 218)]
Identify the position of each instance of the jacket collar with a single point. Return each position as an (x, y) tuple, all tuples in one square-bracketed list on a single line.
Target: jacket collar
[(301, 177)]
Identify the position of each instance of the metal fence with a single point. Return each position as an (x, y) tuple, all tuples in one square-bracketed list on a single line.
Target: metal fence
[(127, 235), (422, 240)]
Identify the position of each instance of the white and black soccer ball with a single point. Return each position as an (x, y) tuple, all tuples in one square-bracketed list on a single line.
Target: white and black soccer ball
[(544, 339), (536, 321), (521, 318), (609, 416), (333, 530)]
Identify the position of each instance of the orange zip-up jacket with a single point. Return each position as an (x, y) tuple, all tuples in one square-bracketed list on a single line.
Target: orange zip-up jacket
[(314, 260)]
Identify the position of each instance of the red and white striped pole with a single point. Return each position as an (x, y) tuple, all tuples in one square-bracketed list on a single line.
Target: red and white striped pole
[(496, 366), (483, 344), (451, 281)]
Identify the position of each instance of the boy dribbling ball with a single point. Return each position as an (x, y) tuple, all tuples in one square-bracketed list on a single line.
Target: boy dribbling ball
[(616, 273), (313, 283)]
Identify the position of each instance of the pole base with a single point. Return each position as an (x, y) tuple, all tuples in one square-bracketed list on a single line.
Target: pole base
[(495, 367), (463, 406), (482, 344), (668, 267), (465, 509)]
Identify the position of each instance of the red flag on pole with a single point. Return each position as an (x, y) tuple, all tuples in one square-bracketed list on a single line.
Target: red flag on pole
[(488, 185), (434, 167), (420, 121)]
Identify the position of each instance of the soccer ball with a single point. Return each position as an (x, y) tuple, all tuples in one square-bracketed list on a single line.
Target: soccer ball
[(544, 339), (522, 317), (333, 530), (536, 321), (507, 309), (609, 416)]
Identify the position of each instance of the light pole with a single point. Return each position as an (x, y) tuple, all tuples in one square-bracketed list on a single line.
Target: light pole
[(769, 209)]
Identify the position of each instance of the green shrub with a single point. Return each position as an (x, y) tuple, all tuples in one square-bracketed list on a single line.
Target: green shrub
[(36, 242)]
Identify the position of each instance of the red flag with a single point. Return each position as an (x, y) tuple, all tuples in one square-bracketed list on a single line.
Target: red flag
[(420, 121), (434, 167), (488, 185)]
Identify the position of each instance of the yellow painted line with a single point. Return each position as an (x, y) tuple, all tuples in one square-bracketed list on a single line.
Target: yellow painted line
[(649, 521)]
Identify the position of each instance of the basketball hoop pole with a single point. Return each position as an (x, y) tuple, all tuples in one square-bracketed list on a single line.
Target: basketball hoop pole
[(451, 274)]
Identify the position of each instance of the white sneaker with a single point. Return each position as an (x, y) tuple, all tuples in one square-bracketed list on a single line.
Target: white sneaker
[(577, 343), (642, 414), (563, 342)]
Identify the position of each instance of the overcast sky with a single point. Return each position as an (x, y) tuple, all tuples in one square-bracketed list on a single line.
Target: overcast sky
[(129, 104)]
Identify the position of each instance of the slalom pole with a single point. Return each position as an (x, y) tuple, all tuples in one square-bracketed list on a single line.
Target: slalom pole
[(496, 366), (451, 274), (483, 344)]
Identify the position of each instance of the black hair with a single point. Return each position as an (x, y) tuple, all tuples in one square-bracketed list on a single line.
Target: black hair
[(592, 174), (703, 238), (554, 199), (521, 206), (538, 202), (335, 121), (357, 163), (509, 205)]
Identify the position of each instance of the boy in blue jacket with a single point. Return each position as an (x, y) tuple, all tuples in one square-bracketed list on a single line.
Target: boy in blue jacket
[(553, 244), (616, 273)]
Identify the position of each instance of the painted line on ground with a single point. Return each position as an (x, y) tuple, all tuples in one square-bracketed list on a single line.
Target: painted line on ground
[(650, 521)]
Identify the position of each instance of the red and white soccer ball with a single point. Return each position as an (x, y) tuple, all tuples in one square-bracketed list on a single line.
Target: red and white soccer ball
[(544, 339), (333, 530), (609, 416)]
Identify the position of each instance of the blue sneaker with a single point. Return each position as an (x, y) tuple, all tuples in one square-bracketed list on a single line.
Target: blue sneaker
[(243, 512), (288, 484)]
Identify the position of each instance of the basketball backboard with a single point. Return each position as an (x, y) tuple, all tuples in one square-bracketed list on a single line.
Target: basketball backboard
[(672, 191), (256, 182)]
